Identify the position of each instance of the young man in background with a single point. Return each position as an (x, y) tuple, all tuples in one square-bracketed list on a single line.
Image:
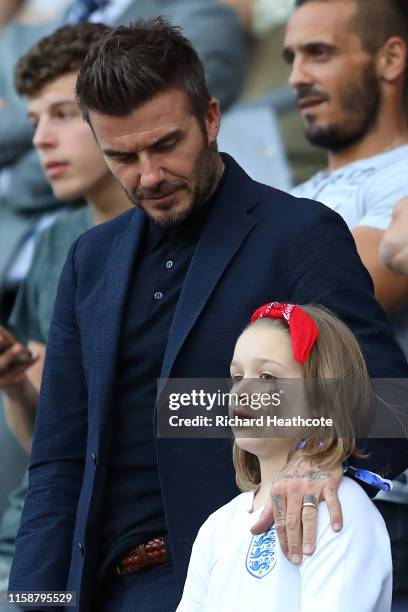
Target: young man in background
[(75, 168)]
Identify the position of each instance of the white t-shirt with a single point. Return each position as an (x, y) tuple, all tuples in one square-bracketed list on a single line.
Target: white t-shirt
[(364, 193), (232, 571)]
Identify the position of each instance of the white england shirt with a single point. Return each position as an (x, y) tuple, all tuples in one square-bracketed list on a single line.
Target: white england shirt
[(232, 571)]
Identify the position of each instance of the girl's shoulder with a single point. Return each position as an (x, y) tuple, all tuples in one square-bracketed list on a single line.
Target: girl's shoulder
[(362, 548), (361, 518), (236, 508), (354, 499)]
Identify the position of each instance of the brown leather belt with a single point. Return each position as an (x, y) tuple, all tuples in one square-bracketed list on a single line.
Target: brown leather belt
[(144, 556)]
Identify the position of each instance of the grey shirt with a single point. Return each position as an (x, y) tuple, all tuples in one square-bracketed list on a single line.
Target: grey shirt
[(32, 312)]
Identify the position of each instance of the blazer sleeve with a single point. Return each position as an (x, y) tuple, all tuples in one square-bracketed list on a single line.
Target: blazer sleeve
[(44, 541), (326, 269)]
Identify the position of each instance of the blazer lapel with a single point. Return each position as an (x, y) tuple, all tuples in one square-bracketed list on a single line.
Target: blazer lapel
[(227, 227)]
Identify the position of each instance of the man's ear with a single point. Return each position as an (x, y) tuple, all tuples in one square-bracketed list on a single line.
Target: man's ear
[(392, 60), (212, 120)]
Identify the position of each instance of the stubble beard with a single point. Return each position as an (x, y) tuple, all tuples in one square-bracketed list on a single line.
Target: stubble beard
[(205, 177), (361, 104)]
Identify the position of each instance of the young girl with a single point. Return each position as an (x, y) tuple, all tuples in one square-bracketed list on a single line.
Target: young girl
[(232, 570)]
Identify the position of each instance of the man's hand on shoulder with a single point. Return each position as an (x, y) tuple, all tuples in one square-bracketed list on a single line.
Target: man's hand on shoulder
[(301, 482)]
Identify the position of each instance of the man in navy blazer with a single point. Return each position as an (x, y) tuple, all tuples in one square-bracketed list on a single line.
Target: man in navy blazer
[(163, 291)]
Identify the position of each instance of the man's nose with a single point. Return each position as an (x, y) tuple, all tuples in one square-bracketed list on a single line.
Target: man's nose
[(151, 173), (299, 74)]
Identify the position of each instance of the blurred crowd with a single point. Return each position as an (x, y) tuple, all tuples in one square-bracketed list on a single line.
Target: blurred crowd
[(307, 108)]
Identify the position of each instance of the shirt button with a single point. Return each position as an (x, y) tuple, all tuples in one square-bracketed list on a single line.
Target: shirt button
[(94, 458), (81, 548), (169, 264), (158, 295)]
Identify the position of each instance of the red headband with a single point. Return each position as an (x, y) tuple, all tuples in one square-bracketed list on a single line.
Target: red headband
[(303, 330)]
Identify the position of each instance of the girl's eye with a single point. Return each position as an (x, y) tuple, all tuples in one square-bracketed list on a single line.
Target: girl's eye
[(267, 376), (236, 377)]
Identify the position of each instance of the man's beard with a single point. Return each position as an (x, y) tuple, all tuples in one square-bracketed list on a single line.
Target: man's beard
[(360, 103), (204, 178)]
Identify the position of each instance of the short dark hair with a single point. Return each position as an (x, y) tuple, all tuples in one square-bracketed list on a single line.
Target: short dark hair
[(57, 54), (377, 21), (133, 64)]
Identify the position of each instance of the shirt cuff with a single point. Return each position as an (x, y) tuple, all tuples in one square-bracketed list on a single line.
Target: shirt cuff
[(370, 478)]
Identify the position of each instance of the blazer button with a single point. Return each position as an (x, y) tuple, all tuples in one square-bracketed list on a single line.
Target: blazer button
[(81, 548), (94, 458)]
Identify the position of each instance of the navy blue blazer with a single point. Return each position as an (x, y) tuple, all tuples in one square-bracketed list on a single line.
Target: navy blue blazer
[(258, 245)]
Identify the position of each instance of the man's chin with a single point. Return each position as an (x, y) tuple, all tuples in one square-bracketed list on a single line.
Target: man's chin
[(313, 127), (320, 136), (166, 213), (167, 218)]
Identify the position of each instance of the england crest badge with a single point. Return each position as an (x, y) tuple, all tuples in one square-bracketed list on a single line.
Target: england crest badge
[(261, 557)]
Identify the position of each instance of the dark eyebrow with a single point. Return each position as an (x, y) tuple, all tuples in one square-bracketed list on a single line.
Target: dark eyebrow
[(309, 48), (54, 106), (318, 44), (175, 134)]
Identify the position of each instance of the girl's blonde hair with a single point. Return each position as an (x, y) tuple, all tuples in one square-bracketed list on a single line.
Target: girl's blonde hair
[(337, 383)]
